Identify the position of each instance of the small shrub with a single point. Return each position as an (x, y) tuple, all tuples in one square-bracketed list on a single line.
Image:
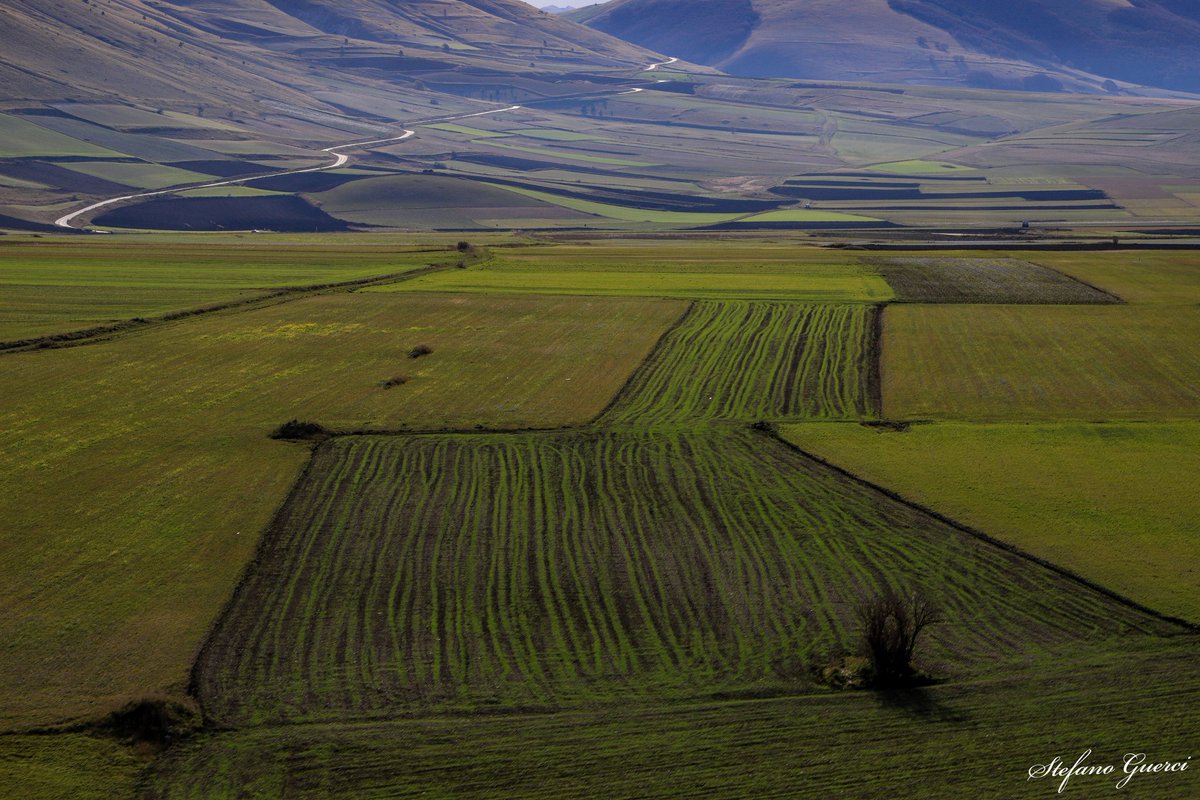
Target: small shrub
[(295, 430), (157, 721), (420, 350), (891, 627), (464, 247), (398, 380)]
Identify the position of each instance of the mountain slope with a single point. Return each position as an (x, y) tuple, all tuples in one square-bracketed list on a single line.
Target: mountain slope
[(222, 51), (1031, 44)]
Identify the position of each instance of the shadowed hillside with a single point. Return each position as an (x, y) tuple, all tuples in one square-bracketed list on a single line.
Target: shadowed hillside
[(1034, 45)]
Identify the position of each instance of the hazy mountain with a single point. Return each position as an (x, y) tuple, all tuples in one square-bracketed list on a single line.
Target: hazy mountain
[(1033, 44)]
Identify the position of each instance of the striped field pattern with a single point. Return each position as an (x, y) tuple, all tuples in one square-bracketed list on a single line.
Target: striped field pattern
[(757, 360), (412, 574)]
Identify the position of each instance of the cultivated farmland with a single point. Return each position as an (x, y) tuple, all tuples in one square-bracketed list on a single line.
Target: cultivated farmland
[(163, 477), (1041, 362), (975, 739), (756, 361), (1113, 502), (984, 280), (548, 570)]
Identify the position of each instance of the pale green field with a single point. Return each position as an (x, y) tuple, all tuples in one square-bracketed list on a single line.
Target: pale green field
[(918, 167), (139, 176), (235, 190), (992, 363), (1158, 278), (1116, 502), (832, 286), (626, 213), (137, 473), (19, 138), (58, 285), (806, 215)]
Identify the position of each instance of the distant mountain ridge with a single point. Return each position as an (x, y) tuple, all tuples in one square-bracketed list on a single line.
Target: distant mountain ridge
[(1020, 44)]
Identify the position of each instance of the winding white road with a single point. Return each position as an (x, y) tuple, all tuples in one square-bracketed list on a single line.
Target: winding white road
[(339, 159)]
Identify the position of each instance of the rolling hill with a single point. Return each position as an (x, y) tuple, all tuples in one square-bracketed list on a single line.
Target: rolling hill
[(1028, 44)]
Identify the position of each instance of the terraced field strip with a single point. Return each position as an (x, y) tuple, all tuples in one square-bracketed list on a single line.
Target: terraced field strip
[(757, 360), (415, 574), (928, 279)]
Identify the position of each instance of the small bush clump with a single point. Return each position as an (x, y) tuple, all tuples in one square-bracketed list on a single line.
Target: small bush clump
[(420, 350), (398, 380), (156, 721), (295, 430)]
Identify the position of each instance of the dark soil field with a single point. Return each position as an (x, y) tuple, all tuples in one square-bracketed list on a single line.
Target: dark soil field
[(283, 214), (986, 280)]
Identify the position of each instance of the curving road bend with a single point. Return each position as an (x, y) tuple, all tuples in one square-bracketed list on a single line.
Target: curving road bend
[(339, 159)]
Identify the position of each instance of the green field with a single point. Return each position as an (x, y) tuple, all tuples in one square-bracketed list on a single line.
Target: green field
[(22, 139), (67, 766), (918, 167), (755, 361), (139, 175), (821, 285), (1041, 362), (805, 215), (1157, 278), (1113, 502), (163, 477), (625, 213), (972, 739), (54, 286), (551, 570)]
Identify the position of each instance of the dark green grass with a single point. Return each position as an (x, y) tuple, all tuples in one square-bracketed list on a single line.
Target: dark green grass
[(490, 571), (985, 280), (970, 740), (753, 361)]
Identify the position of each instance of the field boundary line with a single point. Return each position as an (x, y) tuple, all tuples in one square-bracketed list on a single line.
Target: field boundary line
[(264, 535), (1116, 297), (659, 346), (875, 363), (1189, 627), (105, 333)]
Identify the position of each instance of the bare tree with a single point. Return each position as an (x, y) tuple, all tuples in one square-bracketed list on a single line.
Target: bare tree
[(891, 626)]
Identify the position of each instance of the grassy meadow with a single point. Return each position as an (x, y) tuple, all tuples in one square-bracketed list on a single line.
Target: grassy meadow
[(1015, 363)]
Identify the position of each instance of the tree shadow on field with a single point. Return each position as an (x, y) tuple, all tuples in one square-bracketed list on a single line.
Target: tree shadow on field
[(921, 703)]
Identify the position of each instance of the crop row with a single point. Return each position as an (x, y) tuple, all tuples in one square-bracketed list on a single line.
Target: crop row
[(750, 361), (550, 570)]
